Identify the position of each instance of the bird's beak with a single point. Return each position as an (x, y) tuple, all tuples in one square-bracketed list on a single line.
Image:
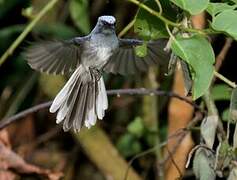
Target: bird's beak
[(110, 26)]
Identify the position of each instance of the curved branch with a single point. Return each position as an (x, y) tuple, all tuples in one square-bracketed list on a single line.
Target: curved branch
[(139, 91)]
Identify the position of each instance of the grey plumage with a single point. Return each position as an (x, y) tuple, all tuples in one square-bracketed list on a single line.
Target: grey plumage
[(83, 99)]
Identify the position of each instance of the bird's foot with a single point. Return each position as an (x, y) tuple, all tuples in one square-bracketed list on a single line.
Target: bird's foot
[(97, 73)]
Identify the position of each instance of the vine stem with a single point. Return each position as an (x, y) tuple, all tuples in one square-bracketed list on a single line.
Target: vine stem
[(167, 21), (159, 6), (155, 13), (126, 28), (30, 26), (223, 78)]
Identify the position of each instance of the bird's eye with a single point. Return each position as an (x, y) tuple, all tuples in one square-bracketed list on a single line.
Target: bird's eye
[(105, 23)]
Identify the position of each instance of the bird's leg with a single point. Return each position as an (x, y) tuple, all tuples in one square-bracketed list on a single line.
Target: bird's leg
[(96, 72)]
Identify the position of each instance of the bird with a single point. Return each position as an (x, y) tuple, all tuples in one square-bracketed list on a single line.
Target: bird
[(83, 98)]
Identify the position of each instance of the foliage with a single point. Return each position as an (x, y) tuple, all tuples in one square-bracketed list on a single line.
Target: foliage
[(125, 126)]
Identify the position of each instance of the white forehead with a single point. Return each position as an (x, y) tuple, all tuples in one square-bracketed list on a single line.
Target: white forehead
[(109, 19)]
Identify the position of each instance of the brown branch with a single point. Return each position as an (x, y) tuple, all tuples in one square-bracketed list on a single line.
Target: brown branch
[(140, 91), (174, 163), (221, 56), (7, 121)]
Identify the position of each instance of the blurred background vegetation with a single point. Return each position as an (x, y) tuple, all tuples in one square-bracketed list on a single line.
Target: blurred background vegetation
[(132, 124)]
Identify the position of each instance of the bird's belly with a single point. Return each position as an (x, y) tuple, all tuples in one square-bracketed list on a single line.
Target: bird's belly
[(96, 57)]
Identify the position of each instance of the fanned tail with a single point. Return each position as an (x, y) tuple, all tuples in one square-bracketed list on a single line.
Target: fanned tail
[(81, 101)]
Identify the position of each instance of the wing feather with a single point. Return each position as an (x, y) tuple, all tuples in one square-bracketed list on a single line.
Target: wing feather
[(125, 61), (58, 57)]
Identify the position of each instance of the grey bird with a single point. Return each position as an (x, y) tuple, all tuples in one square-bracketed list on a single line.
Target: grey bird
[(83, 98)]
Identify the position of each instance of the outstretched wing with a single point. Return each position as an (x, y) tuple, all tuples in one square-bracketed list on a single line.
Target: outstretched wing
[(125, 61), (57, 57)]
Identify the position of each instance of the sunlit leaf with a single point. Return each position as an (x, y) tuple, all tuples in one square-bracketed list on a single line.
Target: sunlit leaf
[(208, 130), (215, 8), (198, 53), (226, 22), (192, 6)]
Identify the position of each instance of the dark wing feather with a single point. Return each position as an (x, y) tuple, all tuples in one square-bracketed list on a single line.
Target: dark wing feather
[(125, 61), (57, 57)]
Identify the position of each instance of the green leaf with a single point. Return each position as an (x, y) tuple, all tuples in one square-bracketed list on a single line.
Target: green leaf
[(141, 51), (234, 1), (215, 8), (198, 53), (148, 26), (136, 127), (208, 130), (128, 145), (192, 6), (233, 106), (203, 164), (224, 155), (225, 114), (221, 92), (80, 14), (226, 22)]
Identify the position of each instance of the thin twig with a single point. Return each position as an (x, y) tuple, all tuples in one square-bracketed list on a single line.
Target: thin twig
[(140, 91), (148, 151), (221, 56), (159, 6), (7, 121), (175, 164), (198, 116), (169, 22), (223, 78), (20, 38), (126, 28)]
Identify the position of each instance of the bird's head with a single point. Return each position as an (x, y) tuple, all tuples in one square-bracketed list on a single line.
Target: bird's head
[(105, 25)]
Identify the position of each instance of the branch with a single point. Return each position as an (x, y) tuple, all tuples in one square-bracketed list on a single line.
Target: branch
[(221, 56), (223, 78), (139, 91), (169, 22), (20, 38)]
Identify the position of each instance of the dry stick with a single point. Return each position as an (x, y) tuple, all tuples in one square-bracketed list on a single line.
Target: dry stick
[(139, 91), (20, 38), (173, 161)]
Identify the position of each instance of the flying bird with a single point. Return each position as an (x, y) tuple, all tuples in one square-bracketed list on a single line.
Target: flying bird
[(83, 98)]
